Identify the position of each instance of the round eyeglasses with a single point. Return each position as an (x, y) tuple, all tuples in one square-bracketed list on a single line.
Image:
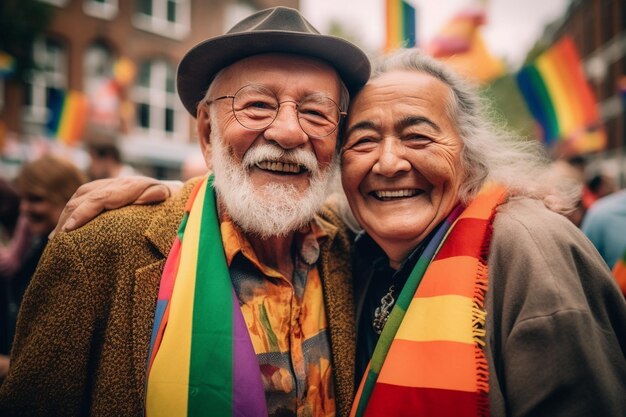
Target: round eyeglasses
[(256, 107)]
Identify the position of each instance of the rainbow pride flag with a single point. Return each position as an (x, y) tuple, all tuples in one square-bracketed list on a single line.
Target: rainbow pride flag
[(560, 99), (400, 21), (68, 115)]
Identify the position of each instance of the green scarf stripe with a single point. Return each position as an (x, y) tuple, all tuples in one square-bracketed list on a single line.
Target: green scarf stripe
[(181, 228), (399, 309), (397, 314), (390, 330), (211, 387)]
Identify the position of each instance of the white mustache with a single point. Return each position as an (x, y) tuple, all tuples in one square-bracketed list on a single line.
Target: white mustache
[(270, 153)]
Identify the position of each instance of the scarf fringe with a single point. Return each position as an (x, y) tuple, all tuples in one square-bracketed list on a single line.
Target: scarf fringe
[(479, 318)]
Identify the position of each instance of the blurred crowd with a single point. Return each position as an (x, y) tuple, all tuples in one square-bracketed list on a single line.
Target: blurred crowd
[(30, 207)]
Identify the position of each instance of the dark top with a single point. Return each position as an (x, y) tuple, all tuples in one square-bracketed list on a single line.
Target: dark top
[(373, 278), (12, 291)]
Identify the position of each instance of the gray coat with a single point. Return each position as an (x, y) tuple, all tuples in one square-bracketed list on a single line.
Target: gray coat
[(556, 321)]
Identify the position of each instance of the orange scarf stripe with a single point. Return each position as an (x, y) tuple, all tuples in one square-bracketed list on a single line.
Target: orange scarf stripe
[(436, 364)]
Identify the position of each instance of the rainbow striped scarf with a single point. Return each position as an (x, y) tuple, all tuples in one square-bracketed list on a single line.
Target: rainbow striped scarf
[(429, 359), (201, 359)]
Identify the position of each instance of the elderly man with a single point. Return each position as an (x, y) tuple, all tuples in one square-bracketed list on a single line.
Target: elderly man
[(212, 303)]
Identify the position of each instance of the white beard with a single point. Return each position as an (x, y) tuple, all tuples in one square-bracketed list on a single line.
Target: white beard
[(274, 209)]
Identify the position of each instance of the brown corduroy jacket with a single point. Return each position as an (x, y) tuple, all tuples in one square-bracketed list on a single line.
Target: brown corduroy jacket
[(84, 328)]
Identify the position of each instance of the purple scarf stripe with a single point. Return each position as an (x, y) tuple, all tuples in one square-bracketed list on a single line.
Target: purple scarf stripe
[(248, 391)]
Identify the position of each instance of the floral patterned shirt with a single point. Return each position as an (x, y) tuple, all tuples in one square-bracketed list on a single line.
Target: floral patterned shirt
[(287, 323)]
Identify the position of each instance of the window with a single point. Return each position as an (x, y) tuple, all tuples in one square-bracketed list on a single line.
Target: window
[(104, 9), (158, 110), (48, 81), (164, 17)]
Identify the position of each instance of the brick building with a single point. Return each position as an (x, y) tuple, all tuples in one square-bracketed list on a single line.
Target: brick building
[(91, 42)]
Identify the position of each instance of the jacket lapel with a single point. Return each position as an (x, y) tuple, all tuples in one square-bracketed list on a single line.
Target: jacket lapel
[(338, 299)]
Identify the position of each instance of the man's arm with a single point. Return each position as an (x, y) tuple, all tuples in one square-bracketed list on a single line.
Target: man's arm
[(93, 198)]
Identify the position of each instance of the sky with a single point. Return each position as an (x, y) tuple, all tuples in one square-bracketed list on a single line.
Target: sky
[(511, 30)]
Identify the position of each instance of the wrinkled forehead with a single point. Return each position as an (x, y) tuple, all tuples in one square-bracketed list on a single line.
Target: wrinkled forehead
[(279, 72)]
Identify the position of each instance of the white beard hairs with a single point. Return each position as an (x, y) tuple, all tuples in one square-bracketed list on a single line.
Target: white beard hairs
[(274, 209)]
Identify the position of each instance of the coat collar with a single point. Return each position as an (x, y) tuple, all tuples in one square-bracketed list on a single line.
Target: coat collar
[(164, 226)]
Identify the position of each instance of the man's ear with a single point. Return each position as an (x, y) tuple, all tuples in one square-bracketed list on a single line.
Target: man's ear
[(203, 127)]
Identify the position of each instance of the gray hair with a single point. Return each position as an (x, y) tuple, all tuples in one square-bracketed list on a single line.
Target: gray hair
[(490, 152)]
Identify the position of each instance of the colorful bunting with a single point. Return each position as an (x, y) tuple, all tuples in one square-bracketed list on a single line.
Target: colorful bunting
[(561, 101), (477, 63), (460, 45), (401, 20), (68, 115), (457, 34)]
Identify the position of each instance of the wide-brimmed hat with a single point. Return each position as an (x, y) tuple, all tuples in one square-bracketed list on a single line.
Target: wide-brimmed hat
[(275, 30)]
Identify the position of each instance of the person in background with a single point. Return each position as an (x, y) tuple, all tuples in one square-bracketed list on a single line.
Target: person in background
[(14, 239), (45, 185), (105, 156), (15, 235), (193, 165), (605, 225), (600, 185), (473, 296), (233, 297), (9, 211)]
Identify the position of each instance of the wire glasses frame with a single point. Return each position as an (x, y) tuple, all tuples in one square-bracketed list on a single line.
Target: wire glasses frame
[(256, 107)]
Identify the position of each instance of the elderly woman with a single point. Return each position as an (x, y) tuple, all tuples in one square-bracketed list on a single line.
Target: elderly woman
[(473, 296)]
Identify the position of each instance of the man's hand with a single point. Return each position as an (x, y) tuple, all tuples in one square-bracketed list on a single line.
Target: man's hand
[(94, 197)]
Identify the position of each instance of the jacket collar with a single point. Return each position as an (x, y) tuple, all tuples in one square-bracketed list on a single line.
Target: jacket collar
[(164, 226)]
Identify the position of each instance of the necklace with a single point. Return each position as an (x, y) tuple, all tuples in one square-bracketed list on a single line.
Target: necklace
[(381, 314)]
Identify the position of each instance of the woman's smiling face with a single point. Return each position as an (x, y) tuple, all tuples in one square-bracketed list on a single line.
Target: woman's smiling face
[(401, 167)]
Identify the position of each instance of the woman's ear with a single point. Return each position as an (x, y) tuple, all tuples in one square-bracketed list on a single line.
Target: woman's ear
[(203, 127)]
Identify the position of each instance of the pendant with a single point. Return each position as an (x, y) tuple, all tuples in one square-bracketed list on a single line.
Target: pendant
[(381, 314)]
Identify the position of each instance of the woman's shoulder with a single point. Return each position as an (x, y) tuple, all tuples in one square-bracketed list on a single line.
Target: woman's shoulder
[(525, 218), (539, 258)]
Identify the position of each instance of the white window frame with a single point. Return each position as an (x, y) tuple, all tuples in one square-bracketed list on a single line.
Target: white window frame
[(58, 3), (157, 22), (158, 99), (104, 10), (41, 80)]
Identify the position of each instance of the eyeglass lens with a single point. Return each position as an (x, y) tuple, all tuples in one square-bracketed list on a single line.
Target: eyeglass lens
[(256, 107)]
